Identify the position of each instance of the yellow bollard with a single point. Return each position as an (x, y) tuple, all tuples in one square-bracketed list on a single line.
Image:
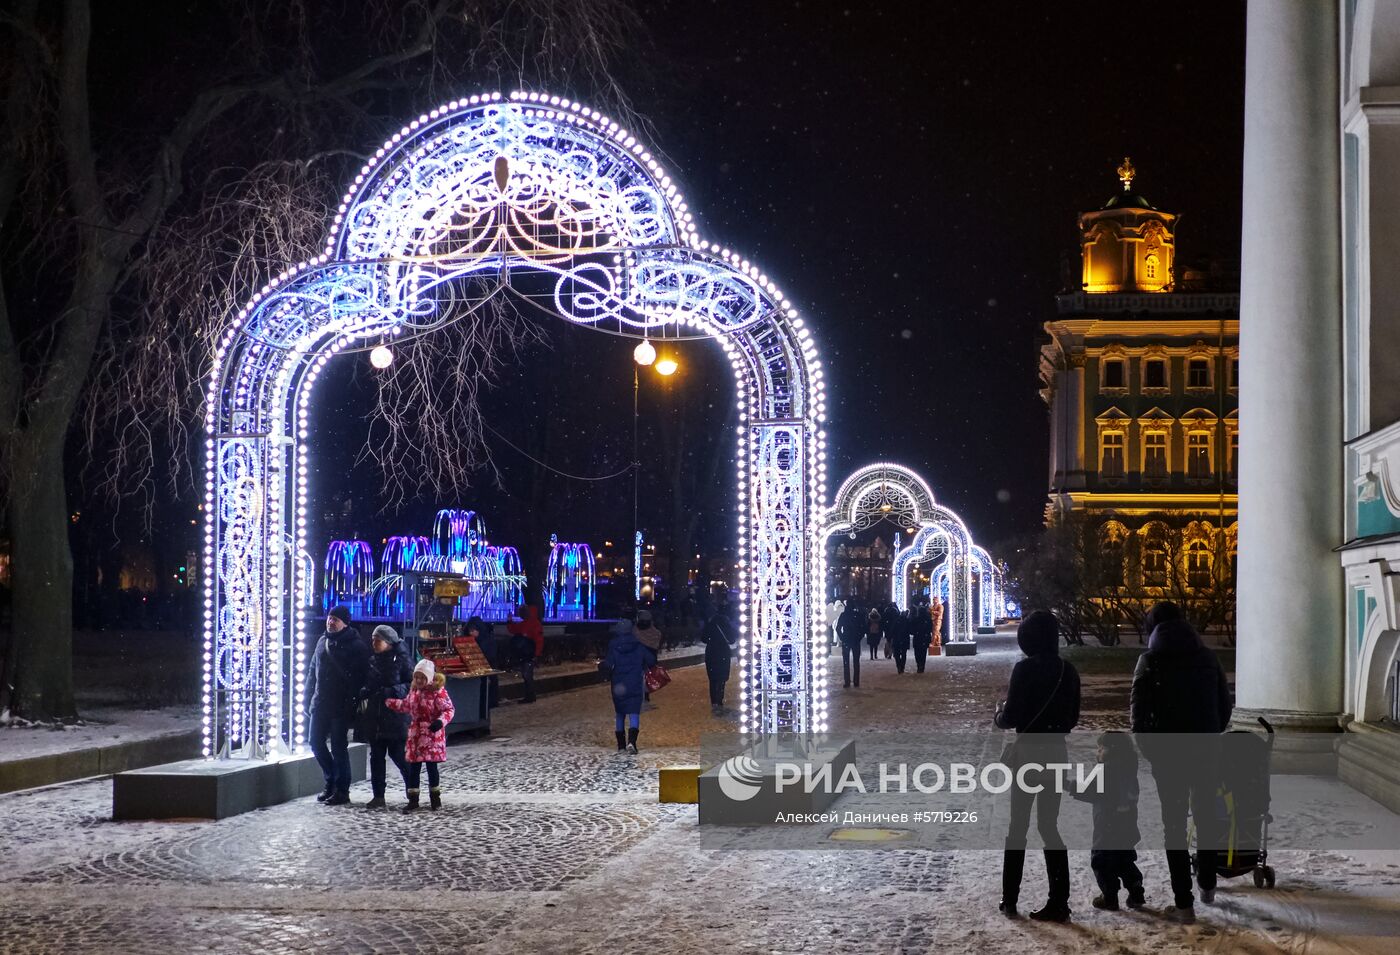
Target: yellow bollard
[(680, 784)]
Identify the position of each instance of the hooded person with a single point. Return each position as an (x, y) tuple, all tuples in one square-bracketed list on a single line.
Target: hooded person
[(625, 664), (720, 639), (650, 637), (1042, 705), (333, 681), (1179, 688), (527, 646), (388, 677)]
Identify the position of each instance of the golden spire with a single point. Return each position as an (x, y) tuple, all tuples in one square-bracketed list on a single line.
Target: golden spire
[(1126, 172)]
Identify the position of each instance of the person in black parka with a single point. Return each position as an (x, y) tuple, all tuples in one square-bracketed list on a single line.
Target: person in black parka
[(1179, 687), (1042, 705), (850, 630), (389, 676), (921, 635), (897, 632), (874, 632), (333, 682), (1113, 856), (720, 639)]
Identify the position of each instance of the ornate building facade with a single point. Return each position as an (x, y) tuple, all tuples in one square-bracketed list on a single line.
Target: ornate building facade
[(1141, 375)]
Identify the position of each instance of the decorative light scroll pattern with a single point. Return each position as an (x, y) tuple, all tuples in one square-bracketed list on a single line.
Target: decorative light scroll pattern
[(930, 545), (991, 600), (545, 199)]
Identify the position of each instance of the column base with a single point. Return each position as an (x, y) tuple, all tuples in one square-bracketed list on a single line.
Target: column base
[(1305, 744), (1368, 760)]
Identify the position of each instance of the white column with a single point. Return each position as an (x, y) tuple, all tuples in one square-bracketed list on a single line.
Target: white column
[(1291, 621)]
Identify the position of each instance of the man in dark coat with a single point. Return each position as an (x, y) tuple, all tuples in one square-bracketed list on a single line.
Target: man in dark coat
[(897, 632), (1042, 705), (333, 682), (389, 676), (1179, 687), (720, 639), (850, 630), (921, 635)]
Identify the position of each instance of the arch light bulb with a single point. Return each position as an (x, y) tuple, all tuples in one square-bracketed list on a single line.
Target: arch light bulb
[(381, 357), (645, 353)]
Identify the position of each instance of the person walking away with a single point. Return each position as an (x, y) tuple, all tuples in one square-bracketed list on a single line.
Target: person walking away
[(527, 646), (720, 639), (429, 710), (1042, 705), (889, 617), (625, 665), (388, 677), (333, 681), (1113, 855), (897, 634), (650, 637), (850, 630), (921, 635), (1179, 688), (873, 632)]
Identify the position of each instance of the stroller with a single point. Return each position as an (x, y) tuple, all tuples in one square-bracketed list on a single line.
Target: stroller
[(1242, 806)]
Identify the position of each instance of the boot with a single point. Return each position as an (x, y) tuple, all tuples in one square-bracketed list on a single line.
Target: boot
[(632, 740), (1057, 874), (1108, 903), (621, 740), (435, 797), (412, 801), (1137, 896), (376, 803), (341, 798), (326, 793), (1052, 912), (1012, 862)]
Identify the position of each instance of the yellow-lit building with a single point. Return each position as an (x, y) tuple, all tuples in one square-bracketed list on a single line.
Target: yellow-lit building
[(1141, 374)]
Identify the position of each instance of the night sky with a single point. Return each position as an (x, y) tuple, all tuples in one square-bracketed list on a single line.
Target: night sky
[(910, 174)]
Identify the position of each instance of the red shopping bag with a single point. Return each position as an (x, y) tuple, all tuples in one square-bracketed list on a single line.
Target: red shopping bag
[(656, 677)]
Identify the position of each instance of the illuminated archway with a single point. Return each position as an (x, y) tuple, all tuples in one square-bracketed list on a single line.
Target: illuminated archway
[(538, 197), (885, 491)]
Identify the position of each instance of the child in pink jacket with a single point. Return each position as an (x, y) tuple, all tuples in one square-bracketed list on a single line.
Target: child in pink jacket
[(429, 709)]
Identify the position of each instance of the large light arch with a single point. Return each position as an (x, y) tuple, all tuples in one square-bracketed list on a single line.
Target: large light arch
[(885, 491), (531, 195)]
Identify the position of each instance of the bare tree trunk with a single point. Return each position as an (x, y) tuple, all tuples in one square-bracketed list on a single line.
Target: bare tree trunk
[(39, 670)]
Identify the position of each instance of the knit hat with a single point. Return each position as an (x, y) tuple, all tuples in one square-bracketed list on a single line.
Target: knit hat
[(341, 613), (426, 668), (386, 633), (644, 616)]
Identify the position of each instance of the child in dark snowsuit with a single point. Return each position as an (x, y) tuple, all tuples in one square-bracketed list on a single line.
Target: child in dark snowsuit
[(1113, 855)]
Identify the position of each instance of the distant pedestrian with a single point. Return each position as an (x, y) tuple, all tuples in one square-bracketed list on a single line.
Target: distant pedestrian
[(897, 635), (921, 635), (429, 709), (720, 639), (333, 682), (874, 632), (1113, 855), (389, 676), (527, 646), (834, 610), (889, 618), (1179, 688), (850, 631), (625, 665), (1042, 705)]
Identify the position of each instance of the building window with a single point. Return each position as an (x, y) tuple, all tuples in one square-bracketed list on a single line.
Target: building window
[(1154, 563), (1154, 373), (1234, 372), (1151, 264), (1111, 448), (1198, 454), (1113, 376), (1154, 454), (1234, 455), (1198, 565), (1198, 373)]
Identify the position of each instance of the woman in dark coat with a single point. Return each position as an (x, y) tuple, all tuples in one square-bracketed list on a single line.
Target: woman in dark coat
[(921, 635), (625, 665), (898, 633), (720, 639), (874, 630), (390, 674), (1042, 703)]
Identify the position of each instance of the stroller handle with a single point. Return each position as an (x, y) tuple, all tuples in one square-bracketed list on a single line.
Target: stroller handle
[(1268, 727)]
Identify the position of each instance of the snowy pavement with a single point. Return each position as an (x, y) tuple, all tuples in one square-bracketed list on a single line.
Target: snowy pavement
[(551, 842)]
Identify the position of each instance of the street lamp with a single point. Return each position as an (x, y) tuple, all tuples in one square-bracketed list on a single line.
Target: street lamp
[(666, 367), (643, 354)]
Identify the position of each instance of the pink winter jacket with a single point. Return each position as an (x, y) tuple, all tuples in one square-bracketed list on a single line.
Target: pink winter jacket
[(423, 707)]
